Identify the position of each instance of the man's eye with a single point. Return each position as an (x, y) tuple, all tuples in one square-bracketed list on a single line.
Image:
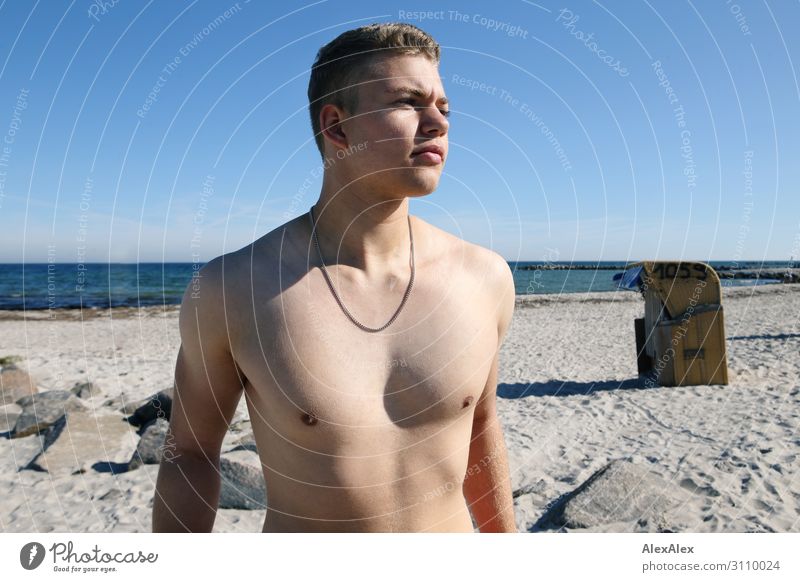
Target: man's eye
[(445, 112)]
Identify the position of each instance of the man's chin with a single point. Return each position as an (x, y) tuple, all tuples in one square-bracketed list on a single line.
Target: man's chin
[(420, 194), (422, 187), (413, 185)]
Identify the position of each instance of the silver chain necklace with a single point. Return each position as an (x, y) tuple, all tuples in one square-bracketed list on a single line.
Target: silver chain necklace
[(336, 295)]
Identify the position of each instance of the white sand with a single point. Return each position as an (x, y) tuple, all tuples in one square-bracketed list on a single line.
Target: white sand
[(734, 451)]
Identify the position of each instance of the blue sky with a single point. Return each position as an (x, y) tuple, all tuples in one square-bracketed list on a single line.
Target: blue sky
[(580, 130)]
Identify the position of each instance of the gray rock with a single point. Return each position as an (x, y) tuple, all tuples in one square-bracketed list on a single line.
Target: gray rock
[(15, 384), (159, 405), (246, 445), (24, 450), (149, 450), (619, 492), (242, 485), (80, 441), (123, 403), (85, 390), (241, 425), (239, 441), (8, 417), (537, 489), (40, 411)]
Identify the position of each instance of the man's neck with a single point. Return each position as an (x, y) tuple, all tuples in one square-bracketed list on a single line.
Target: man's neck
[(355, 230)]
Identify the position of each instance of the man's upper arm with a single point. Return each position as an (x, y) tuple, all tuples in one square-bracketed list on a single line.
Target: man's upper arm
[(502, 300), (208, 384)]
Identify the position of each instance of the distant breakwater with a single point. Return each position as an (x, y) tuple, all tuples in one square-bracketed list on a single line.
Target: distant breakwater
[(725, 272), (784, 276)]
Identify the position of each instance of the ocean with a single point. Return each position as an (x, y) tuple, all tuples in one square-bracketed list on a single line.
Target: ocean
[(101, 285)]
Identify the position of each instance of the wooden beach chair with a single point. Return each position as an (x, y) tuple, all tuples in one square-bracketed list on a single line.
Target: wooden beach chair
[(681, 338)]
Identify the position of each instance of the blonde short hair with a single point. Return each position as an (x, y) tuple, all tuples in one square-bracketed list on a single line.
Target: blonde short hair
[(341, 64)]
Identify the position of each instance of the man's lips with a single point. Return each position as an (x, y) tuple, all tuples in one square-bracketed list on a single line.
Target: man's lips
[(431, 153)]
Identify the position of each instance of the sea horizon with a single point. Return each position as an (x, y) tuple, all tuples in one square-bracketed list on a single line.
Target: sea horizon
[(38, 286)]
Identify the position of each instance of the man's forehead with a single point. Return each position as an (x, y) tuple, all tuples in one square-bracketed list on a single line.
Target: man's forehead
[(406, 71), (409, 86)]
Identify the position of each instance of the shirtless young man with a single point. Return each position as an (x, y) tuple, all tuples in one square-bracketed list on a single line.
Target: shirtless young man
[(357, 429)]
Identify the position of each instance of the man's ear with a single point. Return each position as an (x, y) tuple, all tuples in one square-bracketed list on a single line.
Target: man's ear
[(330, 123)]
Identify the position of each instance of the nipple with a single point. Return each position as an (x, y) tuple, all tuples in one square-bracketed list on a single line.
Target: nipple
[(467, 401), (309, 419)]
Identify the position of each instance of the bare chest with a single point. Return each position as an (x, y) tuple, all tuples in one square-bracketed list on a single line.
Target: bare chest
[(307, 364)]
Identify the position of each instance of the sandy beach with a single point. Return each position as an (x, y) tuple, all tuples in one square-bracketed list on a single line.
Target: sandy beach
[(710, 458)]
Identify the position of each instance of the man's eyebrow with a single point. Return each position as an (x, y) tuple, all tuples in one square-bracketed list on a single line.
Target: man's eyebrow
[(416, 92)]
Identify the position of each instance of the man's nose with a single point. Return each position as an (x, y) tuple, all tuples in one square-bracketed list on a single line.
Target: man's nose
[(434, 121)]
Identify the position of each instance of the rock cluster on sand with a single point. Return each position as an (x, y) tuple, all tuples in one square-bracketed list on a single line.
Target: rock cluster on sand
[(85, 390), (59, 432), (82, 441), (149, 450), (42, 410), (159, 405)]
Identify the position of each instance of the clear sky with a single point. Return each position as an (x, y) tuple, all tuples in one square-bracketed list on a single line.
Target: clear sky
[(150, 131)]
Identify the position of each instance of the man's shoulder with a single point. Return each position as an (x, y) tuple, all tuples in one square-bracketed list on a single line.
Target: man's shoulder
[(277, 245), (215, 277), (475, 259), (480, 269), (230, 278)]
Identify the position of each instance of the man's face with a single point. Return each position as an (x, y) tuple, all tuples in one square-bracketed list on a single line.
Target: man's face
[(401, 111)]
